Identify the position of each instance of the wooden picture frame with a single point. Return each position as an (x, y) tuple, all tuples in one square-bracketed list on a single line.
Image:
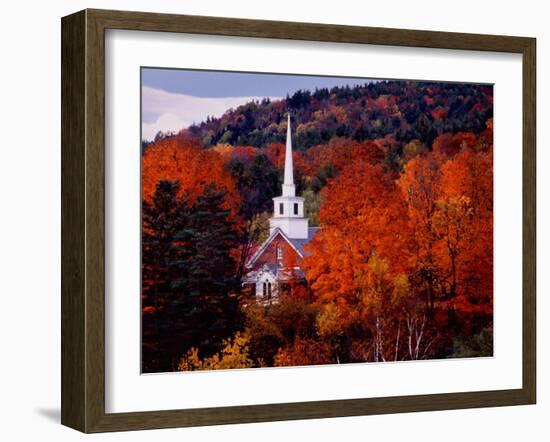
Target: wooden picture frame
[(83, 220)]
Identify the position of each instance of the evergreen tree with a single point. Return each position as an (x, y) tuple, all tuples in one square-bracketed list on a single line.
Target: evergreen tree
[(258, 182), (159, 228), (189, 283), (204, 309)]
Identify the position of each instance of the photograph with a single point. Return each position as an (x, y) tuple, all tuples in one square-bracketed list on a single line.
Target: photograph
[(301, 220)]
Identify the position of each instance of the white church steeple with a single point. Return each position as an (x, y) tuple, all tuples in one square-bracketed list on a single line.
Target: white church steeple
[(288, 209), (288, 185)]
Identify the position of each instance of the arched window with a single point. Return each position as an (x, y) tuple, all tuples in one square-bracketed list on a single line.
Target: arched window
[(268, 290), (265, 289)]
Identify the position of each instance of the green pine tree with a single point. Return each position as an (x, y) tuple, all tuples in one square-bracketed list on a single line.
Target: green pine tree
[(159, 221), (189, 276), (204, 309)]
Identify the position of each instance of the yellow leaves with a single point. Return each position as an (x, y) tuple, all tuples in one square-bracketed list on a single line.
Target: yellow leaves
[(235, 354), (319, 115), (330, 321), (223, 148), (412, 149), (454, 209), (374, 284), (337, 112), (191, 361), (401, 288)]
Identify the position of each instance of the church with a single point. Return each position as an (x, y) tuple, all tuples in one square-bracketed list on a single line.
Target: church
[(276, 265)]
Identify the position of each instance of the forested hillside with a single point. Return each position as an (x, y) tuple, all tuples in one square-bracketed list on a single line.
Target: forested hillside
[(404, 110)]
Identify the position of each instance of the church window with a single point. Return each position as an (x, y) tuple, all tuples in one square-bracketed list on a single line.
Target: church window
[(279, 253), (265, 289), (268, 290), (295, 208), (281, 208)]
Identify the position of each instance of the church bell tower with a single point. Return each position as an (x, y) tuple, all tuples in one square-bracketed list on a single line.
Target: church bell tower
[(288, 209)]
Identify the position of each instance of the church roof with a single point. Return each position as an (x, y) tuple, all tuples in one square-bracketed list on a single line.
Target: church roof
[(297, 244), (300, 243)]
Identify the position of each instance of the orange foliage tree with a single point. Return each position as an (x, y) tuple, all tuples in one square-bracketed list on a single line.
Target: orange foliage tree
[(465, 222), (408, 253), (357, 261), (194, 167), (340, 152), (420, 188)]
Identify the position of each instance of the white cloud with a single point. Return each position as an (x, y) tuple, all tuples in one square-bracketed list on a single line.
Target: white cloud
[(168, 111)]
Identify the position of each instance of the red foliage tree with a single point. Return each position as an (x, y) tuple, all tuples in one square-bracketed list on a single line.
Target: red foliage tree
[(183, 160)]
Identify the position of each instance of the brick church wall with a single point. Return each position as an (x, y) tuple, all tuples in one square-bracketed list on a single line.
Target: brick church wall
[(269, 256)]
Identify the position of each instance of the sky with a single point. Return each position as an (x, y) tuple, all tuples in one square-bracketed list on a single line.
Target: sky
[(173, 99)]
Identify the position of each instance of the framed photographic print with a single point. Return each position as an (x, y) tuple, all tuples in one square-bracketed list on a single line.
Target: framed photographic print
[(268, 221)]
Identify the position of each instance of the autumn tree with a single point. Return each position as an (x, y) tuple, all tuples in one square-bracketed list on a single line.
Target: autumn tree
[(449, 144), (278, 326), (465, 222), (352, 228), (420, 189), (234, 354), (193, 167), (356, 262), (304, 351)]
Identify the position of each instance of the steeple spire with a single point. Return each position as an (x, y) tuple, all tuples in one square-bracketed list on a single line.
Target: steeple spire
[(288, 185), (288, 209)]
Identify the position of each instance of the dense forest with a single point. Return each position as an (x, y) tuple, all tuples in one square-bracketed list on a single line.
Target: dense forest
[(399, 176), (404, 110)]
